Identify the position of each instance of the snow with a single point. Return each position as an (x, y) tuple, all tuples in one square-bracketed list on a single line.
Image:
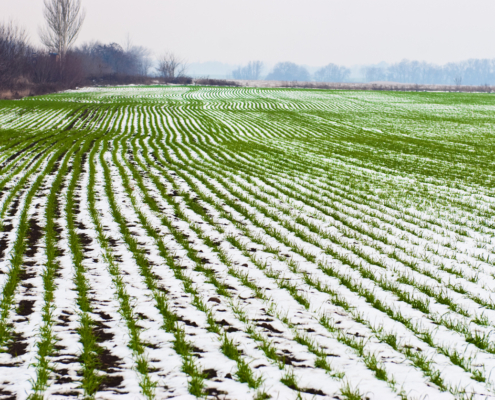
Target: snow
[(319, 200)]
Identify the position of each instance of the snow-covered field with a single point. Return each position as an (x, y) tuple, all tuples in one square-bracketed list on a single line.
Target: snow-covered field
[(239, 243)]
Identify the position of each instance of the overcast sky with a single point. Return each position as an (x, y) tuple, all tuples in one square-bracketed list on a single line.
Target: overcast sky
[(312, 32)]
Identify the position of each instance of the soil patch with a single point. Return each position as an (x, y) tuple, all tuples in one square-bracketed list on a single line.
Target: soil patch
[(9, 394), (34, 235), (24, 275), (17, 347), (269, 327), (109, 362), (210, 373), (3, 247), (85, 240), (112, 381), (313, 391), (14, 207), (101, 332), (8, 228), (25, 307), (214, 392), (76, 120)]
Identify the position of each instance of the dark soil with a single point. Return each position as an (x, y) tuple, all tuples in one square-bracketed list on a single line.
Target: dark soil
[(187, 322), (12, 157), (63, 376), (17, 347), (30, 264), (101, 333), (9, 394), (80, 225), (109, 362), (65, 320), (103, 315), (14, 207), (290, 360), (68, 360), (313, 391), (80, 117), (25, 307), (112, 381), (28, 286), (214, 392), (88, 119), (8, 228), (269, 327), (3, 247), (85, 240), (58, 228), (71, 393), (24, 275), (35, 233), (210, 373)]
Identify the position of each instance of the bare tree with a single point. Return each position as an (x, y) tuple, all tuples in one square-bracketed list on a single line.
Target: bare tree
[(458, 80), (13, 53), (332, 73), (256, 68), (251, 71), (170, 66), (43, 68), (64, 20), (139, 55), (142, 59), (288, 71), (145, 65), (374, 74), (128, 44)]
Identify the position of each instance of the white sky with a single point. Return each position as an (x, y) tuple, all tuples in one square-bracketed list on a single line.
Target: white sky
[(312, 32)]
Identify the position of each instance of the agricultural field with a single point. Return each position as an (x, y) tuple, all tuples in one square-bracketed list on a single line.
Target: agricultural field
[(233, 243)]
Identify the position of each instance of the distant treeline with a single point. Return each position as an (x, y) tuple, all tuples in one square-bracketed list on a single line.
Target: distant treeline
[(471, 72), (25, 69), (287, 71)]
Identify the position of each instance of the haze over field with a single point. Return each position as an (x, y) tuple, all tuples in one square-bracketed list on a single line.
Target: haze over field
[(313, 32), (409, 42)]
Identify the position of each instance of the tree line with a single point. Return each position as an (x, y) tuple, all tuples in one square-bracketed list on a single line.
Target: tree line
[(469, 72), (480, 72), (24, 66), (59, 64), (288, 71)]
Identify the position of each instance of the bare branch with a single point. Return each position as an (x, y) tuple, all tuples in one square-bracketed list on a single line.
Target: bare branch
[(332, 73), (170, 66), (64, 20), (13, 51), (251, 71)]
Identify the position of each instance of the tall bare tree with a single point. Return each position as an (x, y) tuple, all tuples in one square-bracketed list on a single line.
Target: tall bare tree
[(170, 66), (64, 20)]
